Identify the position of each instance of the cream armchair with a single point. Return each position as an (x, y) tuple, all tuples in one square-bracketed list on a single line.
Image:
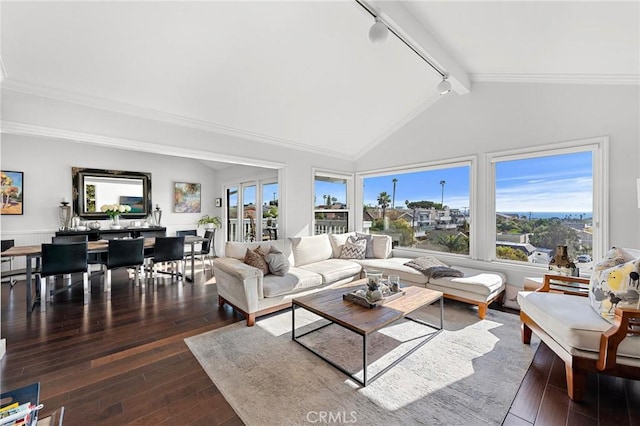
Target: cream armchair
[(567, 324)]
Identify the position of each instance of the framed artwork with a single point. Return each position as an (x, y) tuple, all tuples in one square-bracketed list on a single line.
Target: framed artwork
[(186, 197), (12, 192), (218, 202)]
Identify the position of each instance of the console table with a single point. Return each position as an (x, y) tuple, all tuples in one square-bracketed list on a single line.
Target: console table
[(97, 234)]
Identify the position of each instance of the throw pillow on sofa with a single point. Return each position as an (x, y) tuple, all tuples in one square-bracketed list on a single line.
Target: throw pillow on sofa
[(369, 239), (255, 259), (354, 249), (277, 262)]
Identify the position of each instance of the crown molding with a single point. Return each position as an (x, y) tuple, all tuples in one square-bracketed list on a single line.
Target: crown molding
[(15, 128), (161, 116), (617, 79)]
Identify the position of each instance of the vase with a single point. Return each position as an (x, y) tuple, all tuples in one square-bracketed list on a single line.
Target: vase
[(115, 222), (561, 264)]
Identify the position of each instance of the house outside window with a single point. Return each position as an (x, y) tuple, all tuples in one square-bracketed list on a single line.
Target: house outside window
[(331, 208), (546, 198), (422, 208)]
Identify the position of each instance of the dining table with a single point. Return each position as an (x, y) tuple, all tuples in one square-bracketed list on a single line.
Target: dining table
[(34, 253)]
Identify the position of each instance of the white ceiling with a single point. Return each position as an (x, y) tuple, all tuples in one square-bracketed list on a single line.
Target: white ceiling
[(304, 74)]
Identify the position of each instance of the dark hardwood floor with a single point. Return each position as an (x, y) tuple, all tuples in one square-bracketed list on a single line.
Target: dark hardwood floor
[(118, 362), (125, 361)]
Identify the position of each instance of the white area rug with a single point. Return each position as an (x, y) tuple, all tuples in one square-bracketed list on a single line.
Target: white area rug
[(466, 375)]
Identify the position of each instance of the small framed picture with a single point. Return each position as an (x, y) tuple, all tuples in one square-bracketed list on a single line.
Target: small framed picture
[(12, 196), (186, 197), (218, 202)]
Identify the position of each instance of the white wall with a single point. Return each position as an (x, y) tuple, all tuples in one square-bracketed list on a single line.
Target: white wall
[(497, 117), (25, 113), (504, 116), (47, 164)]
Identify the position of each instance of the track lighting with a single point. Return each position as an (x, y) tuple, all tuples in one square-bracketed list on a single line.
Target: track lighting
[(378, 32), (444, 86)]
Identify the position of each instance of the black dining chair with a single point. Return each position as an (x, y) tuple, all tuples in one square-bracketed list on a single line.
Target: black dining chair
[(65, 239), (92, 258), (206, 249), (169, 249), (62, 259), (6, 245), (124, 254), (186, 232)]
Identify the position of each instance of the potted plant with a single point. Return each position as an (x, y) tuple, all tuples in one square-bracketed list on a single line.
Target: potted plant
[(210, 222)]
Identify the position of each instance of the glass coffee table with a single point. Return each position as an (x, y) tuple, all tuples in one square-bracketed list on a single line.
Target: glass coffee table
[(363, 321)]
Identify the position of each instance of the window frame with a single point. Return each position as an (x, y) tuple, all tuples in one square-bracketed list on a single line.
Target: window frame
[(599, 148), (469, 161), (240, 186), (349, 178)]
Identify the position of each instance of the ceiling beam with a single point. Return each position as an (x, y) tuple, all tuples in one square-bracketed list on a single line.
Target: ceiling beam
[(404, 23)]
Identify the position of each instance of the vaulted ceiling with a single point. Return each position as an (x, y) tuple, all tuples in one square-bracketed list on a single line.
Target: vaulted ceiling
[(304, 74)]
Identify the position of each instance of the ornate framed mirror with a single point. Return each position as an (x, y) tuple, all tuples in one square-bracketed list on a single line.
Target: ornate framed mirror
[(93, 188)]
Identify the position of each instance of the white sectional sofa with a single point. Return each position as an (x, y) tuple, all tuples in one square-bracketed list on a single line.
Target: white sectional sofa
[(316, 265)]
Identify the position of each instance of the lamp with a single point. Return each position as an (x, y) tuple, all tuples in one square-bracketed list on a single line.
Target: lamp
[(444, 86), (64, 214), (157, 215), (378, 32)]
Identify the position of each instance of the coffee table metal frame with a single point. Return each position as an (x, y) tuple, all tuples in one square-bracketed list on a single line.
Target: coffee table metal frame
[(365, 380)]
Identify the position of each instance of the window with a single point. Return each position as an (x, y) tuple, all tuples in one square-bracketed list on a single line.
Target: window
[(252, 211), (330, 203), (548, 198), (269, 211), (425, 208)]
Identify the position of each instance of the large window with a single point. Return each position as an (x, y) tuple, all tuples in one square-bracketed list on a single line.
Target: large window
[(548, 198), (330, 203), (425, 208)]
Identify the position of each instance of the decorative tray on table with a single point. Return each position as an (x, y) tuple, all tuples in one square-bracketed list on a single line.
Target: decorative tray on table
[(364, 301)]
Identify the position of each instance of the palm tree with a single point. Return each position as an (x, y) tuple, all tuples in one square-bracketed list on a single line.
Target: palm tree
[(454, 243), (393, 198), (383, 201), (442, 182)]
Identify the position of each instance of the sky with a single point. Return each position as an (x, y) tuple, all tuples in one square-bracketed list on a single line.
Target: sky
[(559, 183), (422, 186)]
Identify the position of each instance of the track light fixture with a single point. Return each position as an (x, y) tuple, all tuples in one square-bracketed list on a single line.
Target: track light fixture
[(444, 86), (378, 32)]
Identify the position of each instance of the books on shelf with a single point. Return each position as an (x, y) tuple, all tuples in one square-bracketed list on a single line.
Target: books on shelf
[(20, 406)]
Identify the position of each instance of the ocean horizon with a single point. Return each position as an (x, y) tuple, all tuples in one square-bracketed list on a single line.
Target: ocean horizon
[(549, 215)]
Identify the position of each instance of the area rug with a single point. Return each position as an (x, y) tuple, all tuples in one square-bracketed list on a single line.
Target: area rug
[(466, 375)]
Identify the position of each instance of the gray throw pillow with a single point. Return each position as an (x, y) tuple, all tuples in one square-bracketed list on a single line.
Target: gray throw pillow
[(353, 249), (277, 262), (369, 239)]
